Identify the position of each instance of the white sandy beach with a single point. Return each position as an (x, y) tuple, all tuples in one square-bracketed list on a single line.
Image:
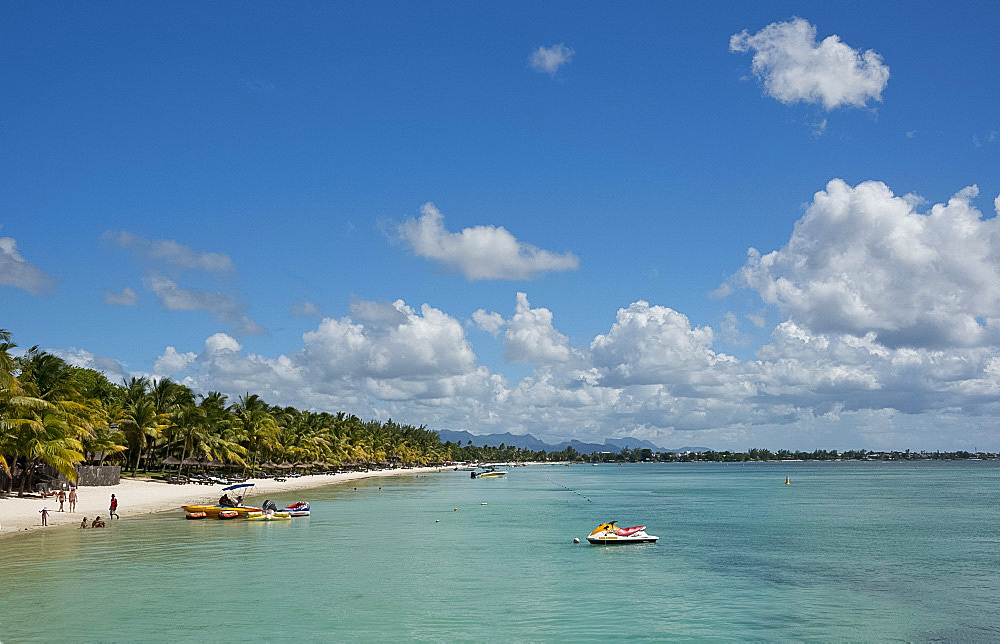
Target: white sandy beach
[(138, 497)]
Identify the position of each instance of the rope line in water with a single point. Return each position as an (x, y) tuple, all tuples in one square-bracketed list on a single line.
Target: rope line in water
[(569, 489)]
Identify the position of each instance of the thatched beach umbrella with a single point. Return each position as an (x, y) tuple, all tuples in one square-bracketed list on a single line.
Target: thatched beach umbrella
[(284, 466), (190, 461), (171, 460)]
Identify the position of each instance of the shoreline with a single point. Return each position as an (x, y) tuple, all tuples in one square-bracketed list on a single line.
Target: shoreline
[(138, 497)]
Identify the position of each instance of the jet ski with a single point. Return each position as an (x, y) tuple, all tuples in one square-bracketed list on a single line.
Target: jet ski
[(298, 509), (608, 534)]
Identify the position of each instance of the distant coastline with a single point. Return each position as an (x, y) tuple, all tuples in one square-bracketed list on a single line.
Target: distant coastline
[(763, 455)]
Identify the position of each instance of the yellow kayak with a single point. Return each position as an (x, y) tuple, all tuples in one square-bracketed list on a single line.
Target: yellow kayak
[(274, 516)]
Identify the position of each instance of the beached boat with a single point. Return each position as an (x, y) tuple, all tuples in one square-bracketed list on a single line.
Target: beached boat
[(297, 509), (608, 534)]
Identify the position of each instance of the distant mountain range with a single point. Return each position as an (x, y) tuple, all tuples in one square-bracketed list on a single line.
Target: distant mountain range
[(527, 441)]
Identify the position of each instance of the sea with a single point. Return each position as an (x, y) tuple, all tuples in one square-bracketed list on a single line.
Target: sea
[(845, 551)]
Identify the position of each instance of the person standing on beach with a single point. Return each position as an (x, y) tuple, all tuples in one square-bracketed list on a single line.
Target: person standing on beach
[(45, 515), (114, 509), (62, 499), (72, 499)]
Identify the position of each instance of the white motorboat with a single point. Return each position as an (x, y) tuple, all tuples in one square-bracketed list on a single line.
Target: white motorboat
[(487, 472), (608, 534)]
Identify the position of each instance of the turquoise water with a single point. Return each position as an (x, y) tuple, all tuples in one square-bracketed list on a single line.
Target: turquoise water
[(848, 551)]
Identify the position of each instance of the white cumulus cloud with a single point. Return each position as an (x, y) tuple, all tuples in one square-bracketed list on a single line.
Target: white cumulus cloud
[(862, 260), (481, 252), (530, 337), (548, 60), (655, 344), (794, 67), (171, 361), (221, 342), (409, 344), (492, 322)]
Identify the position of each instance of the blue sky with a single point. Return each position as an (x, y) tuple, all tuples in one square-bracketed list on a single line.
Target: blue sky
[(526, 217)]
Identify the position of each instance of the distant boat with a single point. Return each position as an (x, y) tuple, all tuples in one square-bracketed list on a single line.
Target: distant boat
[(487, 472)]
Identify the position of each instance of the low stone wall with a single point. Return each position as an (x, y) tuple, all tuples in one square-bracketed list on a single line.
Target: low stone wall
[(97, 475), (86, 476)]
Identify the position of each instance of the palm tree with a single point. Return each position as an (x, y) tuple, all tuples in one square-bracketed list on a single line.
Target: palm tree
[(255, 425), (8, 390), (39, 418), (141, 423), (45, 439)]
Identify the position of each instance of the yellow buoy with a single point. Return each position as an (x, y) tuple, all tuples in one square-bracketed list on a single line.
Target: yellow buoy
[(787, 482), (456, 509)]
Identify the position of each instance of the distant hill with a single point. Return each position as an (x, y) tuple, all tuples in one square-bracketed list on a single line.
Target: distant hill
[(527, 441)]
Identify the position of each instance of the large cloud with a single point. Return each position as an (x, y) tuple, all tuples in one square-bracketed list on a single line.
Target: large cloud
[(651, 375), (479, 253), (794, 67), (838, 374), (18, 272), (862, 260)]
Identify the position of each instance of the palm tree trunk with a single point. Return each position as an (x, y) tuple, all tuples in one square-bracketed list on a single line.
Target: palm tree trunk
[(27, 474), (183, 456)]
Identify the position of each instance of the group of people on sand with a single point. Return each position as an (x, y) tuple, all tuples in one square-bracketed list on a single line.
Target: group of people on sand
[(72, 497)]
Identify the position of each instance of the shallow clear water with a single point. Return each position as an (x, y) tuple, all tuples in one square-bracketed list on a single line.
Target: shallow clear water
[(848, 551)]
